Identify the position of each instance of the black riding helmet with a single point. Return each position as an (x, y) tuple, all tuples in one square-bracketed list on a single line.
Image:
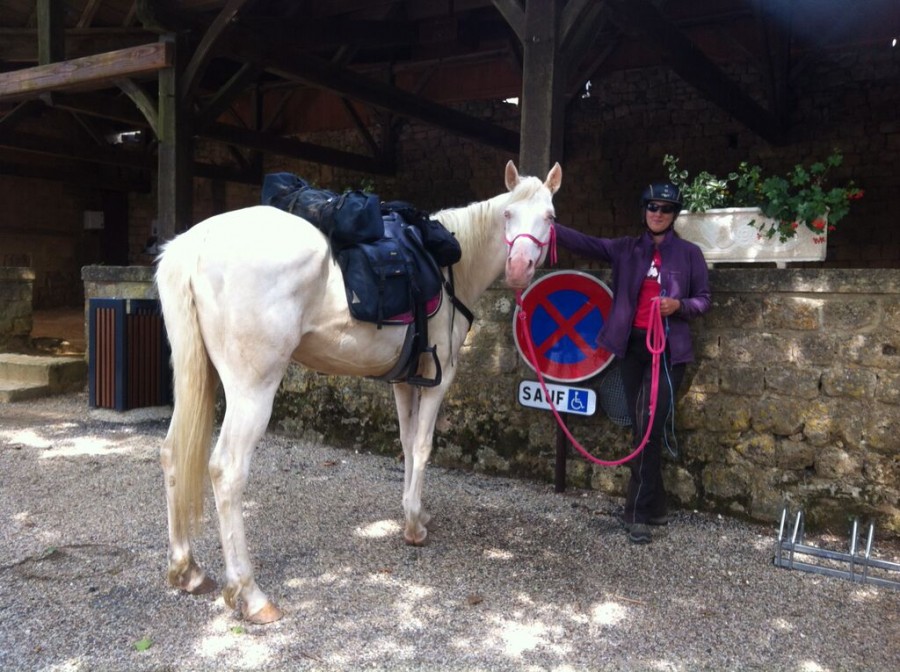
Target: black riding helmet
[(661, 191)]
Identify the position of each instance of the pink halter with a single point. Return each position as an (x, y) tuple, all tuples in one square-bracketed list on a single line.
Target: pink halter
[(551, 241)]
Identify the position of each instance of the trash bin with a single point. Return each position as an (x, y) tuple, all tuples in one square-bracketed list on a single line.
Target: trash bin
[(128, 354)]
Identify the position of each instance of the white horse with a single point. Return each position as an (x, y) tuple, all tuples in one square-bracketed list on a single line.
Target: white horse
[(244, 293)]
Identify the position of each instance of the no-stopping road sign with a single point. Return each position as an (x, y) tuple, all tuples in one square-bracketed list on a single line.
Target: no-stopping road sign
[(564, 314)]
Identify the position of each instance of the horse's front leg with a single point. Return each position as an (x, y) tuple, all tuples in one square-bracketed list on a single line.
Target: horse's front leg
[(245, 421), (417, 411)]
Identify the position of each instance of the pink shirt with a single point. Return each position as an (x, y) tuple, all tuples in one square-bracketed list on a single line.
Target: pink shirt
[(649, 291)]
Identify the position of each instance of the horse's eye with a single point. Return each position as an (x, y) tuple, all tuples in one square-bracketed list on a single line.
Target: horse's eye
[(507, 214)]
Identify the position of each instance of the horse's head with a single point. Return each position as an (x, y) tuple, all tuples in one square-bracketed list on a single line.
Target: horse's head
[(529, 216)]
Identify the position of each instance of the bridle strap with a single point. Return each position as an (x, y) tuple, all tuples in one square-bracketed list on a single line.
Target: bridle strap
[(551, 241)]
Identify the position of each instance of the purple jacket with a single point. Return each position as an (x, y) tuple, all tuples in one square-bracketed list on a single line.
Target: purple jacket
[(684, 277)]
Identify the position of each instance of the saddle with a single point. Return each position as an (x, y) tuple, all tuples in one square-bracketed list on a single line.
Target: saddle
[(391, 268)]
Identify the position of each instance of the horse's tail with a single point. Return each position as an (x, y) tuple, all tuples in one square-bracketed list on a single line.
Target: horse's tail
[(195, 383)]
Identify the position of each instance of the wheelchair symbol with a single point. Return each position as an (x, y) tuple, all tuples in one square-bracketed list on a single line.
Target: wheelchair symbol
[(577, 401)]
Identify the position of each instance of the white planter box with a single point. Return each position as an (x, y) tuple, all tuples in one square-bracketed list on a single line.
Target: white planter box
[(725, 235)]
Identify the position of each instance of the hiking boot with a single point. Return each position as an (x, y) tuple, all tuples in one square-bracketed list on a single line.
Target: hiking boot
[(639, 533), (652, 520)]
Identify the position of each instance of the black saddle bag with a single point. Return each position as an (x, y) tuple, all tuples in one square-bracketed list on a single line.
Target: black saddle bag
[(378, 281), (346, 219), (440, 243)]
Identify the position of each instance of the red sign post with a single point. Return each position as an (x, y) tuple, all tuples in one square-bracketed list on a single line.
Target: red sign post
[(564, 314)]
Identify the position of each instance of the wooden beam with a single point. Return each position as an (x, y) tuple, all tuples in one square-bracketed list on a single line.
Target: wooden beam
[(774, 22), (581, 30), (276, 144), (209, 44), (324, 75), (21, 111), (90, 72), (514, 14), (543, 81), (142, 101), (695, 68), (226, 94), (107, 107), (51, 31), (575, 16), (60, 148), (98, 105), (20, 45), (174, 203), (88, 13)]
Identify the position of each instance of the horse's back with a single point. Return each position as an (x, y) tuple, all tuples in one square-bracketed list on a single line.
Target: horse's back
[(259, 233), (265, 277)]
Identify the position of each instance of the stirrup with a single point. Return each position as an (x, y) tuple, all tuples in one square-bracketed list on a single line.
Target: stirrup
[(422, 381)]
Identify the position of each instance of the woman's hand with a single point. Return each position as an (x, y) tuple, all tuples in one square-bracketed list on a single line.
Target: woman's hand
[(667, 305)]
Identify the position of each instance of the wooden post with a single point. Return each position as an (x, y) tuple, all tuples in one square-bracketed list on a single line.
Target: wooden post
[(174, 159), (51, 31), (543, 84)]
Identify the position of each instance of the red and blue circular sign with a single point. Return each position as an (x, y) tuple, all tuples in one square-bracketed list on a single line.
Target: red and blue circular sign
[(564, 312)]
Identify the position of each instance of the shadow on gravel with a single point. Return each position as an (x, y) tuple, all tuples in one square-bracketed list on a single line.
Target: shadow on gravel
[(514, 577)]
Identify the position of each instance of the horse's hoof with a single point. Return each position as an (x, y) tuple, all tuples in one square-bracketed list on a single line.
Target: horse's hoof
[(208, 585), (191, 580), (268, 614), (415, 539)]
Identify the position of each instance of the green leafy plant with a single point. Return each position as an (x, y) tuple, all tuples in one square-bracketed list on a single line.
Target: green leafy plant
[(802, 197), (704, 192)]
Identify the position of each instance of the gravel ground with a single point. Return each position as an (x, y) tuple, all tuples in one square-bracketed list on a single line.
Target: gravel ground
[(514, 577)]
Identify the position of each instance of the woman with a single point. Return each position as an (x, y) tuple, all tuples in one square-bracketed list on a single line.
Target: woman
[(655, 266)]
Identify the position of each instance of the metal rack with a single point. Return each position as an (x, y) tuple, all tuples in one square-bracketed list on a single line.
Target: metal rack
[(859, 563)]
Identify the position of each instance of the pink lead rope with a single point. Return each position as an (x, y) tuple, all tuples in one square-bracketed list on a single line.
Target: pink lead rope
[(656, 343)]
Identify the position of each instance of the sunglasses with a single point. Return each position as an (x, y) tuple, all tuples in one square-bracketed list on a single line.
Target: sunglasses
[(665, 209)]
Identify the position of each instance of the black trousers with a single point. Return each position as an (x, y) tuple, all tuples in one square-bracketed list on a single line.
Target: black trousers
[(646, 496)]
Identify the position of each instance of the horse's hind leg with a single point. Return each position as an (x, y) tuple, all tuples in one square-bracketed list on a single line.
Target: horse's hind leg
[(184, 573), (246, 417)]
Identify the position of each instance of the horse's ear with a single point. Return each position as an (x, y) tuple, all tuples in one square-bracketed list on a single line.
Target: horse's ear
[(512, 175), (554, 178)]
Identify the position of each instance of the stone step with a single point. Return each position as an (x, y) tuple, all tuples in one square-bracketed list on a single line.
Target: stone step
[(30, 376), (11, 391)]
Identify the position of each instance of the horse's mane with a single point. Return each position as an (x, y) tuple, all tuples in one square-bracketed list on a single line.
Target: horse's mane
[(472, 223)]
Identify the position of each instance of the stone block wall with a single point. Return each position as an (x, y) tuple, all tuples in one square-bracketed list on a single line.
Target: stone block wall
[(794, 400), (16, 288), (118, 282), (42, 227)]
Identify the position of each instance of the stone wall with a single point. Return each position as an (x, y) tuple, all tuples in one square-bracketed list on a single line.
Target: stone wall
[(118, 282), (794, 399), (16, 288), (42, 227)]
